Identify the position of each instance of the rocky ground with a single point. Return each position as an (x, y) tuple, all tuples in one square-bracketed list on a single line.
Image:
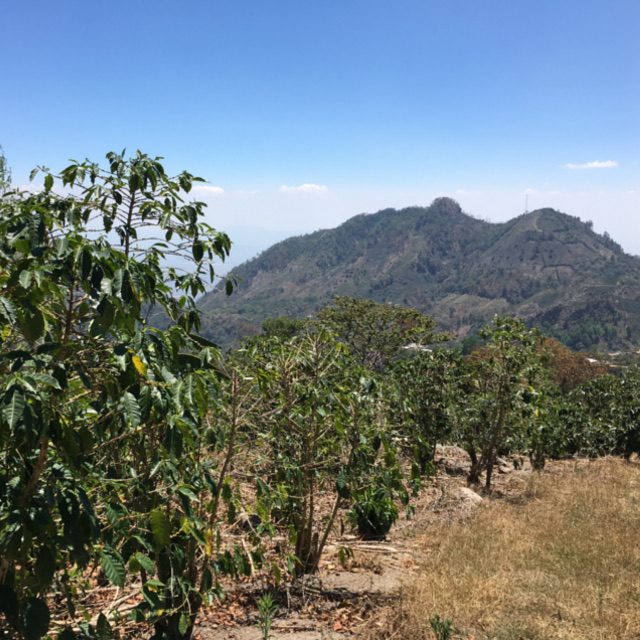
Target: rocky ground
[(359, 598)]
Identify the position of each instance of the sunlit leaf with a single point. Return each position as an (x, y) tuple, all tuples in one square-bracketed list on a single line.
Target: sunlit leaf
[(113, 566), (183, 624), (140, 366), (25, 279), (12, 412)]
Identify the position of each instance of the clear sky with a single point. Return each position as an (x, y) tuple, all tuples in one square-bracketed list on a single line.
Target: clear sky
[(303, 114)]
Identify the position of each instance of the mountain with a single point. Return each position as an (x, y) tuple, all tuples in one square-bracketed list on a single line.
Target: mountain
[(548, 267)]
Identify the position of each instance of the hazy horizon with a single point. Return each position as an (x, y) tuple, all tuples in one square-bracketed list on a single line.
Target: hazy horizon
[(301, 116)]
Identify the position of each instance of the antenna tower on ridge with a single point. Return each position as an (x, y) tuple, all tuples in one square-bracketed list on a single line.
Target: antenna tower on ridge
[(526, 203)]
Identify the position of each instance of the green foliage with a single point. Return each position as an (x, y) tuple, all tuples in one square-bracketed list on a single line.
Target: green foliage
[(374, 332), (5, 174), (427, 395), (501, 395), (282, 327), (442, 629), (597, 323), (101, 447), (468, 344), (542, 433), (322, 427), (267, 610), (606, 415), (118, 440), (374, 513)]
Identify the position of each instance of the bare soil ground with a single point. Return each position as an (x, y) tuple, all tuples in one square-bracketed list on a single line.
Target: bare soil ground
[(360, 598)]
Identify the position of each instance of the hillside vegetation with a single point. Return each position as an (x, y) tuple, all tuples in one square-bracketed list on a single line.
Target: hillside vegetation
[(143, 472), (546, 266)]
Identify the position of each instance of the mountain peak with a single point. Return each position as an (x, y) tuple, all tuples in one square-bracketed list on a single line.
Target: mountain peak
[(446, 205), (545, 265)]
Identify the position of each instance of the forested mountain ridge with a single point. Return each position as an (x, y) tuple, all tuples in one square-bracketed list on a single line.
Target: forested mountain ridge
[(548, 267)]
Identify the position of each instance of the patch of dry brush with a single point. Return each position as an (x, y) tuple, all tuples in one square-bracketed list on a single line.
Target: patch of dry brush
[(563, 561)]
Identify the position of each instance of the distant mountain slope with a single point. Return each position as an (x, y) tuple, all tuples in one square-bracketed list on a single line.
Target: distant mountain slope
[(549, 267)]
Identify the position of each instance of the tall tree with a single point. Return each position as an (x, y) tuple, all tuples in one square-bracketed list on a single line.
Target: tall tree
[(376, 332)]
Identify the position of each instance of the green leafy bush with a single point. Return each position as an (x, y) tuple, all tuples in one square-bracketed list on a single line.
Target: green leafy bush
[(102, 457), (321, 428), (374, 514), (499, 397)]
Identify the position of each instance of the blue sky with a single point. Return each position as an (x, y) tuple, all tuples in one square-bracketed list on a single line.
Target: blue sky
[(303, 114)]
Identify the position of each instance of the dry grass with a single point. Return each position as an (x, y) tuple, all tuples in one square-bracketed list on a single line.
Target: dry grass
[(561, 562)]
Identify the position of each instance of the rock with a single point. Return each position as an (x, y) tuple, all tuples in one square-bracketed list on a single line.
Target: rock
[(466, 495), (451, 450), (453, 467)]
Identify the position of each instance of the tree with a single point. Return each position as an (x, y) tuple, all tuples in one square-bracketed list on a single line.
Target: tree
[(428, 391), (569, 369), (283, 327), (319, 429), (376, 332), (500, 391), (102, 456), (551, 424), (609, 410)]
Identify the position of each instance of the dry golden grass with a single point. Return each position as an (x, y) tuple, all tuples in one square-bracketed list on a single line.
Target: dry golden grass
[(561, 562)]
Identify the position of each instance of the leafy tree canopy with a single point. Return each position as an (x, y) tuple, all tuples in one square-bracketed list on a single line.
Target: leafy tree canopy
[(570, 369), (283, 327), (501, 392), (376, 332)]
